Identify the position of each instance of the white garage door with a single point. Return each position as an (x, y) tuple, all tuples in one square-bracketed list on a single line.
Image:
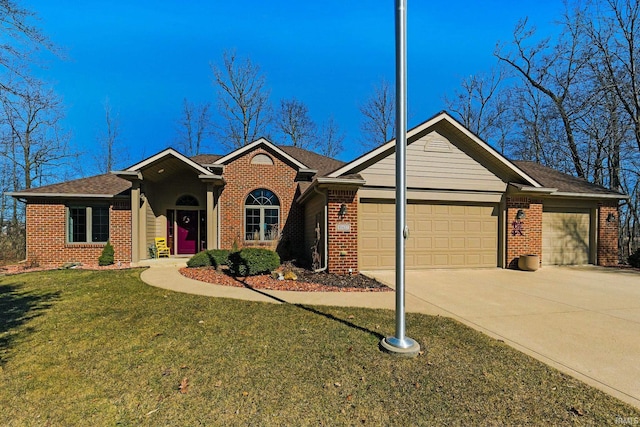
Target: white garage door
[(440, 236), (565, 237)]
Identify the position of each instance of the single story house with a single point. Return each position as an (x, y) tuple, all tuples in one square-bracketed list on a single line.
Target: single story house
[(468, 206)]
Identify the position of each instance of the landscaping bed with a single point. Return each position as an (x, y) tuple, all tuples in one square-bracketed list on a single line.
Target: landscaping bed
[(307, 281)]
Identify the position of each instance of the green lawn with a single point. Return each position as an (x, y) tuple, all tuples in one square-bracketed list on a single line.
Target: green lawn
[(103, 348)]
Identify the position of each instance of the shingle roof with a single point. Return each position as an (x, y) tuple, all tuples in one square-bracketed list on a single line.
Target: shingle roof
[(205, 159), (322, 164), (107, 184), (552, 178)]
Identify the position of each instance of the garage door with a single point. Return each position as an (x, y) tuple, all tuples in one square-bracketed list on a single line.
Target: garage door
[(565, 237), (441, 236)]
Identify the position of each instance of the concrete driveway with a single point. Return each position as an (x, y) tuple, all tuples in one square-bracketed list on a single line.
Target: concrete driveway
[(584, 321)]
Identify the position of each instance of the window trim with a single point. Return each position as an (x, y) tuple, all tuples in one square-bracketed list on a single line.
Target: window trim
[(88, 226), (262, 210)]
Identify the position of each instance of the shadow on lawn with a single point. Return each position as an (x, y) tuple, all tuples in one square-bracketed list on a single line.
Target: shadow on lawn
[(18, 307), (314, 311)]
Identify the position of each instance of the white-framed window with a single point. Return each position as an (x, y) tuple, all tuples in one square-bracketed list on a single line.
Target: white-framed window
[(87, 224), (262, 215)]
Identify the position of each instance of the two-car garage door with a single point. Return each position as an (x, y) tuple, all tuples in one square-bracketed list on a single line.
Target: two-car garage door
[(440, 235)]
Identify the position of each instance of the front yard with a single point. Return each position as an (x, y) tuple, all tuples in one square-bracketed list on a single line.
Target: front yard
[(103, 348)]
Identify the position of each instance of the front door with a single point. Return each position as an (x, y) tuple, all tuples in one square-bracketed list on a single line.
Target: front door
[(187, 231)]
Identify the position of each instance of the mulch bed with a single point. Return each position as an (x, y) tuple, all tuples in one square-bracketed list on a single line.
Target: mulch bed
[(307, 281), (12, 269)]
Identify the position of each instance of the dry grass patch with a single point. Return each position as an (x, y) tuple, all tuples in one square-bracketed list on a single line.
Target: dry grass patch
[(102, 348)]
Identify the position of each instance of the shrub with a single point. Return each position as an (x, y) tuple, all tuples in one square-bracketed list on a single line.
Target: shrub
[(634, 259), (252, 261), (107, 255), (211, 258)]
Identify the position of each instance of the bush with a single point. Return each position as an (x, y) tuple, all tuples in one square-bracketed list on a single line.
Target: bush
[(252, 261), (107, 255), (211, 258), (634, 259)]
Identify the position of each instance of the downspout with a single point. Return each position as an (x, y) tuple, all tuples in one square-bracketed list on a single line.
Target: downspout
[(326, 230)]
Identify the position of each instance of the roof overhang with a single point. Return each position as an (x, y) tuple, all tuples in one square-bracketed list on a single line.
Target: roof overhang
[(324, 182), (128, 175), (32, 195), (161, 155), (214, 179), (531, 189), (528, 190)]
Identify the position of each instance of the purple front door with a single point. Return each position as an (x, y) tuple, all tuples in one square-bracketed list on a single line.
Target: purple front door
[(187, 232)]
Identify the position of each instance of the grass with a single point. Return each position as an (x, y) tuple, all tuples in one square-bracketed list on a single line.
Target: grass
[(103, 348)]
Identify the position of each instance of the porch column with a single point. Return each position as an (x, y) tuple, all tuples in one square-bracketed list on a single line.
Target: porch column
[(212, 217), (135, 221)]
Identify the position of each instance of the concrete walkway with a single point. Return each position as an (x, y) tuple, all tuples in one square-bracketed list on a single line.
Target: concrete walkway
[(584, 321)]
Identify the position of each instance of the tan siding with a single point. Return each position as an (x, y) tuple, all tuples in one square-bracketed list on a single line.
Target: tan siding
[(313, 209), (435, 168), (150, 231), (440, 235)]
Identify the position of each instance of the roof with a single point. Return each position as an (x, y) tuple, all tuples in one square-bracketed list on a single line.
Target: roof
[(106, 185), (322, 164), (266, 144), (564, 183), (206, 159)]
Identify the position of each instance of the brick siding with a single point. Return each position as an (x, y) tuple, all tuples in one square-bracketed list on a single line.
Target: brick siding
[(524, 237), (46, 236), (343, 245), (608, 254), (242, 178)]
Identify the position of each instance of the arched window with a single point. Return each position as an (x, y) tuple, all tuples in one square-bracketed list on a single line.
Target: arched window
[(262, 215), (187, 200), (261, 159)]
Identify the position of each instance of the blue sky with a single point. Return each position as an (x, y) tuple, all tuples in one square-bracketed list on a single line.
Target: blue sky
[(146, 56)]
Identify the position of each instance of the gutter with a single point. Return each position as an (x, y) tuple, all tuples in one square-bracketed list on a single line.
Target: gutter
[(18, 194), (554, 192)]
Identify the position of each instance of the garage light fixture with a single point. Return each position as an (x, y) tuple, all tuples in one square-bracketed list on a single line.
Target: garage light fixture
[(520, 214), (343, 210), (611, 217)]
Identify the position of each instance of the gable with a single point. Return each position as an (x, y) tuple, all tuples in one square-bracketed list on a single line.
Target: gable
[(448, 142), (265, 145), (435, 161)]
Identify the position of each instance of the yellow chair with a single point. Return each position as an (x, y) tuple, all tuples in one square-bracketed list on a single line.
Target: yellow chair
[(161, 247)]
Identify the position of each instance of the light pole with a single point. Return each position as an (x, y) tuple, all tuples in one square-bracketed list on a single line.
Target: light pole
[(401, 344)]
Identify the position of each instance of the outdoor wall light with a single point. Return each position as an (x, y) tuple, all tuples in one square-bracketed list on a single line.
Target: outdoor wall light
[(343, 210), (611, 217), (520, 214)]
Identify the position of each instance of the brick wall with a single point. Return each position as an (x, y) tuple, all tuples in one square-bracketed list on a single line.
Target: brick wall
[(242, 178), (524, 236), (608, 235), (46, 236), (343, 245)]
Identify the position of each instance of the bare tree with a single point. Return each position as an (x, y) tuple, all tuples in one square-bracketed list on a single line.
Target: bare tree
[(20, 39), (379, 120), (111, 153), (554, 70), (483, 107), (35, 142), (294, 123), (243, 100), (194, 127), (331, 138)]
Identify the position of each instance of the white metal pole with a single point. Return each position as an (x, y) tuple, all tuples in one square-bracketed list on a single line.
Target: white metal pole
[(400, 344)]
